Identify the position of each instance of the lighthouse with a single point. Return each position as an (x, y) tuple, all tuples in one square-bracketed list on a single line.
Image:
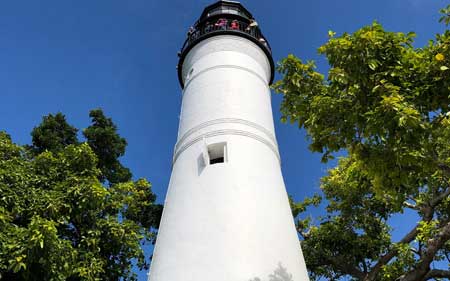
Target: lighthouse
[(226, 214)]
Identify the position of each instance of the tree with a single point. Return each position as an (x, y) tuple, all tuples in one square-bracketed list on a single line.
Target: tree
[(58, 221), (102, 137), (386, 104), (54, 133)]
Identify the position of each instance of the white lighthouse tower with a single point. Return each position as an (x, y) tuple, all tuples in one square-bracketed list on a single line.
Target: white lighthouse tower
[(226, 215)]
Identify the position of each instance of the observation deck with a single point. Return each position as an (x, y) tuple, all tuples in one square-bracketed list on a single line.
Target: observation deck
[(220, 18)]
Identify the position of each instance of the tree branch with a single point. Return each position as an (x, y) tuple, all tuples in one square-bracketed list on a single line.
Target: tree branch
[(411, 206), (346, 268), (444, 168), (433, 245), (391, 254), (339, 264), (437, 273), (438, 199), (428, 210)]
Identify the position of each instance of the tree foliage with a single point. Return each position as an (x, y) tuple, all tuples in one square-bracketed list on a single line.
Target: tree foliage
[(54, 133), (102, 137), (386, 104), (57, 220)]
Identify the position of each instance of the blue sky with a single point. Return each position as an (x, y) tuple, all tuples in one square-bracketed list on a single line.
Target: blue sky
[(73, 56)]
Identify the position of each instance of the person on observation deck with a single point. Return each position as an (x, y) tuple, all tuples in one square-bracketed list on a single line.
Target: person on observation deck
[(221, 24), (234, 25), (252, 27), (191, 31), (208, 27)]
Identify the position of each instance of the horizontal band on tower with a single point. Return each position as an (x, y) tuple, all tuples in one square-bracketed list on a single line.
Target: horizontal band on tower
[(226, 121), (224, 66), (233, 132)]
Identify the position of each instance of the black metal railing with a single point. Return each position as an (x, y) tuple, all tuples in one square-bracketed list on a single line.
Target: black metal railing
[(228, 25)]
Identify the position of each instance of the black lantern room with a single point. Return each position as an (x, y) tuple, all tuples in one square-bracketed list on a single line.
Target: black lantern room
[(225, 17)]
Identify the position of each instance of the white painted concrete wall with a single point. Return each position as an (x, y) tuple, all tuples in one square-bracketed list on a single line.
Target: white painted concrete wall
[(229, 221)]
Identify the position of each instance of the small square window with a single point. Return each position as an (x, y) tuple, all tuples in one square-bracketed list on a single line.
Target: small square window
[(217, 153), (216, 160)]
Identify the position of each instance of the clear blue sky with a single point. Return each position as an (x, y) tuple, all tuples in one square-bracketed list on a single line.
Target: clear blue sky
[(73, 56)]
